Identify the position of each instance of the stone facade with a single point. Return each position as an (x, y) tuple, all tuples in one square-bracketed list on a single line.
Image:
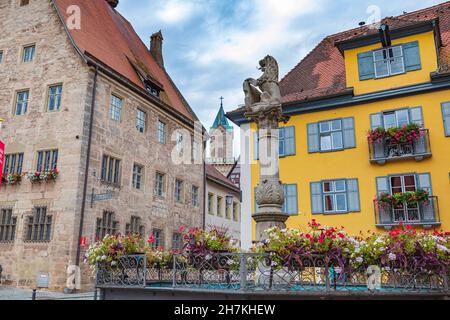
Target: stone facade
[(57, 62)]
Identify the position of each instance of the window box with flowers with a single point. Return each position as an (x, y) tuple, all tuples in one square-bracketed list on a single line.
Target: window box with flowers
[(400, 142), (46, 176), (12, 178)]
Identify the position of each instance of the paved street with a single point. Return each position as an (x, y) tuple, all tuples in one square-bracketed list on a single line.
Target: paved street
[(9, 293)]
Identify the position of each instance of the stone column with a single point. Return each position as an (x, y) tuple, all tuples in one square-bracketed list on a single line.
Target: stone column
[(269, 192)]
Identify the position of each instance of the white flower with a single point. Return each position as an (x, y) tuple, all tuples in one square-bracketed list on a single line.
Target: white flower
[(443, 248), (274, 264), (392, 256), (113, 263), (208, 257), (230, 262), (359, 260)]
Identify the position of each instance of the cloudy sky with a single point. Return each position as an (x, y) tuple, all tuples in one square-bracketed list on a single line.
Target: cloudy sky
[(211, 46)]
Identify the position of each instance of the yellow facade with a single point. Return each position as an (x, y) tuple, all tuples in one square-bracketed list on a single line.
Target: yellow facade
[(304, 167)]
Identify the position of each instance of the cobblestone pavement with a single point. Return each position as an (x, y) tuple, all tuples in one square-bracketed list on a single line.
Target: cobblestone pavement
[(10, 293)]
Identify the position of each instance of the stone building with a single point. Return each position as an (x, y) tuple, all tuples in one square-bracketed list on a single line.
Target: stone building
[(83, 95), (223, 203), (221, 143)]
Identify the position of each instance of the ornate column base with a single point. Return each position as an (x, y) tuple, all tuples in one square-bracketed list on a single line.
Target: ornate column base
[(268, 220)]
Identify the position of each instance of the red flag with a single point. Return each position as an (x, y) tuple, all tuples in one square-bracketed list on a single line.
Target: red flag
[(2, 158), (83, 241)]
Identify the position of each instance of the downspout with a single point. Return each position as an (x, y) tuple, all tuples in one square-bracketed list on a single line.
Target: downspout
[(86, 172), (204, 187)]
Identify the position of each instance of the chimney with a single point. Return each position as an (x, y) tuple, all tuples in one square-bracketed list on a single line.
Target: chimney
[(156, 47), (113, 3)]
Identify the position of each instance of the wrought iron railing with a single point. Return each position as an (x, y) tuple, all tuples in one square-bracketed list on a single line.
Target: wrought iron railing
[(250, 272), (423, 213), (380, 152)]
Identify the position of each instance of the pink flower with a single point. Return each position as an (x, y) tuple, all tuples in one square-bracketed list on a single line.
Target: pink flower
[(151, 239)]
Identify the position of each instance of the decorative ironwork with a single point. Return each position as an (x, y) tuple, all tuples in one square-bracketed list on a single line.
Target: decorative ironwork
[(423, 213), (267, 272), (385, 151)]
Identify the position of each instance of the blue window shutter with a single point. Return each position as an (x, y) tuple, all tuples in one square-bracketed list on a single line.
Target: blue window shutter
[(316, 198), (313, 138), (415, 116), (282, 140), (366, 66), (411, 54), (290, 199), (382, 185), (353, 195), (446, 117), (255, 146), (348, 127), (289, 139), (423, 181)]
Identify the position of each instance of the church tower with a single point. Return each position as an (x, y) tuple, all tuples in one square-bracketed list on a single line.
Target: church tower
[(221, 142)]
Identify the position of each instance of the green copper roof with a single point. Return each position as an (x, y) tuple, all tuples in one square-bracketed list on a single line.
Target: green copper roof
[(221, 120)]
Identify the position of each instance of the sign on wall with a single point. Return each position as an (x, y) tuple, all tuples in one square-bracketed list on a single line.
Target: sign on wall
[(2, 158)]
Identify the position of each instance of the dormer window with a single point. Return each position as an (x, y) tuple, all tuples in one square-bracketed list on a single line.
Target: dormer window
[(151, 89), (388, 62)]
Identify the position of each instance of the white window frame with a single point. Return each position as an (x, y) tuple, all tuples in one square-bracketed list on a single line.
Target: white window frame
[(115, 110), (331, 132), (334, 193), (141, 120), (162, 132), (388, 61)]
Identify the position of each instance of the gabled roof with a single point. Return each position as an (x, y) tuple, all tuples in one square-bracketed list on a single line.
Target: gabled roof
[(108, 37), (214, 175), (221, 120), (322, 72)]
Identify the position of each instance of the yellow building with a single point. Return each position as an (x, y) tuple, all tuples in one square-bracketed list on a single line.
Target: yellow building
[(387, 76)]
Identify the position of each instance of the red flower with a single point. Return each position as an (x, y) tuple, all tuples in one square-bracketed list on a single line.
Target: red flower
[(151, 239)]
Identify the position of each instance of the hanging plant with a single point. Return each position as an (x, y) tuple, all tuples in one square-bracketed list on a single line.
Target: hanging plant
[(407, 134), (12, 178)]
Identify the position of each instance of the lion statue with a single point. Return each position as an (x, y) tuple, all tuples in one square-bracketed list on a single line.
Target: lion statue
[(266, 89)]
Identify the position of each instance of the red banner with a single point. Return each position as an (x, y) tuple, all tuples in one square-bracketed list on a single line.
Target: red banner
[(2, 158)]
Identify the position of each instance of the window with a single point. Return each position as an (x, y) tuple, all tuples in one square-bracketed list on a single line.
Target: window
[(195, 201), (335, 197), (331, 137), (177, 242), (195, 151), (54, 97), (115, 109), (158, 239), (162, 128), (110, 170), (47, 160), (180, 142), (228, 206), (151, 89), (134, 227), (1, 56), (24, 2), (141, 117), (7, 225), (107, 225), (210, 203), (446, 117), (160, 184), (22, 102), (138, 174), (396, 119), (290, 199), (219, 206), (179, 190), (13, 164), (388, 61), (236, 211), (39, 225), (28, 53)]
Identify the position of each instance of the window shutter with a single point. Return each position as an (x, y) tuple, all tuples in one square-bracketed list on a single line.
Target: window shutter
[(411, 54), (424, 182), (353, 195), (316, 198), (348, 125), (290, 199), (313, 138), (366, 66), (256, 146), (415, 116), (446, 116), (382, 185), (376, 121), (289, 141)]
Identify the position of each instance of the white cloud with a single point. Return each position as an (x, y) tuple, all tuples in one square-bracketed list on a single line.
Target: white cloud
[(176, 11)]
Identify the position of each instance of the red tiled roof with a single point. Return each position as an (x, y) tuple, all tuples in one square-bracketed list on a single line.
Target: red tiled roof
[(212, 172), (110, 38), (322, 71)]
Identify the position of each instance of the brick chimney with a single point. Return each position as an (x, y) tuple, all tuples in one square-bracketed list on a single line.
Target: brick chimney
[(156, 41), (113, 3)]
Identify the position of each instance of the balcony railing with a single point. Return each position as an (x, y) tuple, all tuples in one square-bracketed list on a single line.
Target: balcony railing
[(425, 214), (252, 272), (384, 151)]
